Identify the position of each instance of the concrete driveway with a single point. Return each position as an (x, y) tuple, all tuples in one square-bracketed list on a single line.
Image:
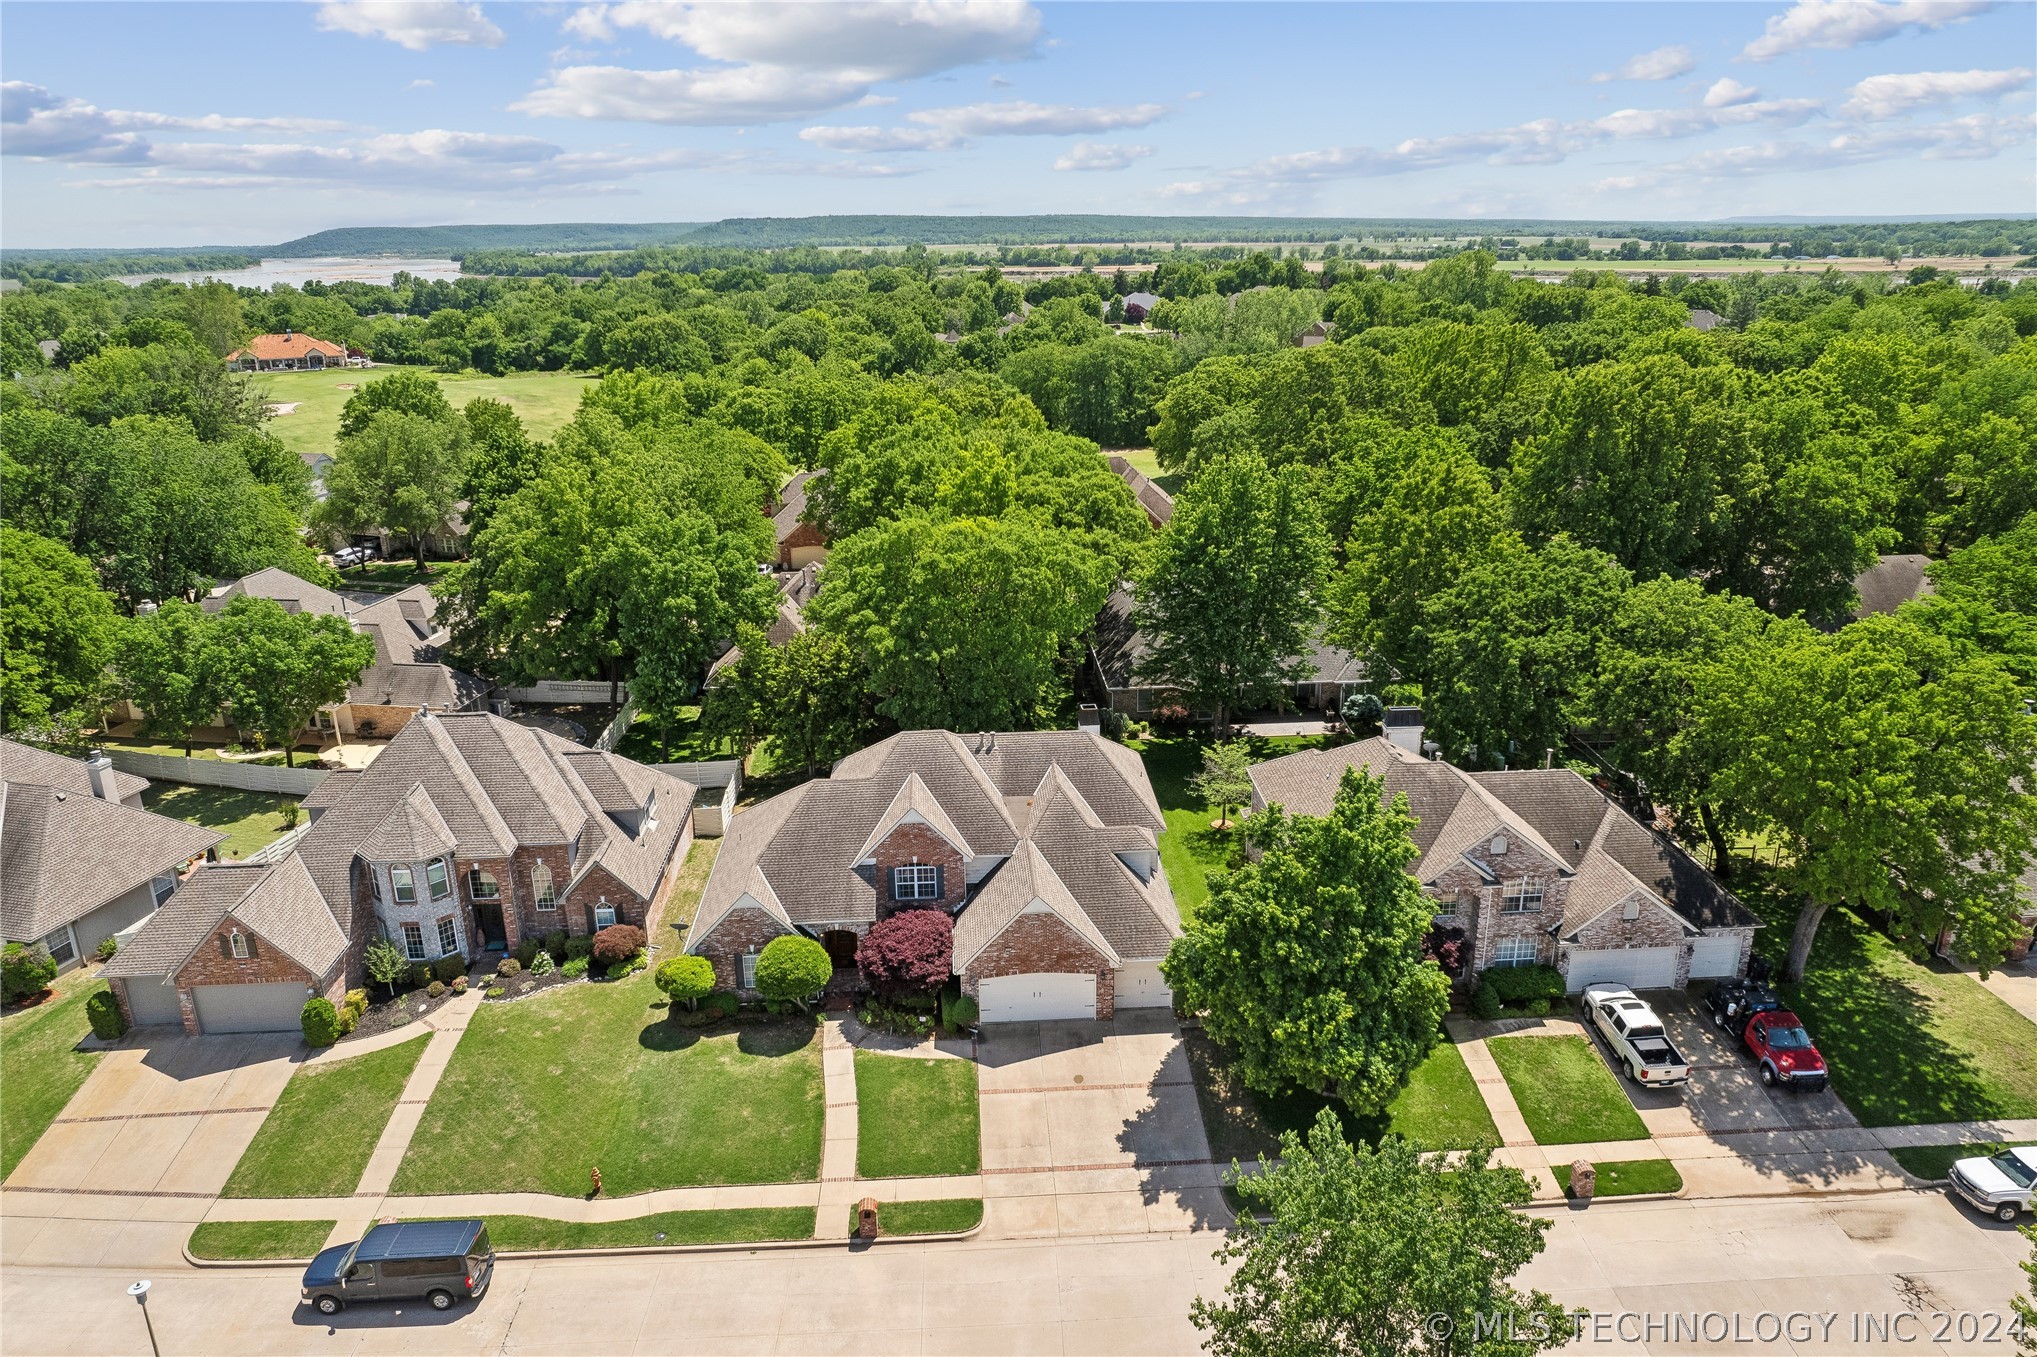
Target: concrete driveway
[(1092, 1128), (1725, 1092), (167, 1115)]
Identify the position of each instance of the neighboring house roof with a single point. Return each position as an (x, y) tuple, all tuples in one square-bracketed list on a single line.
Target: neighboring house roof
[(406, 671), (1608, 852), (791, 504), (1064, 804), (1891, 582), (64, 853), (1701, 319), (1158, 504), (1120, 648), (487, 786), (1148, 300), (275, 900), (283, 347), (25, 763), (795, 591)]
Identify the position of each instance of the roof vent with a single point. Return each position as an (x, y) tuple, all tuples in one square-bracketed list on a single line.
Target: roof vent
[(1498, 845)]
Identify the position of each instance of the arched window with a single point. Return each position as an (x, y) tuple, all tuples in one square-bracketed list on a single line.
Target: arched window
[(482, 885), (541, 887)]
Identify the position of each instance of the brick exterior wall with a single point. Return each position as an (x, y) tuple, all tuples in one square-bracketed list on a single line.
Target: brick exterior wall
[(213, 964), (915, 842), (532, 922), (1480, 905), (804, 545), (1651, 926), (1036, 943), (740, 930)]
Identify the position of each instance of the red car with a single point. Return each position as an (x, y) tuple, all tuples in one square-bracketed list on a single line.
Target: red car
[(1784, 1049)]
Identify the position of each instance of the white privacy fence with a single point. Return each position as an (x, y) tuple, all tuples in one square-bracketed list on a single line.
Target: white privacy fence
[(247, 777), (566, 691), (710, 815)]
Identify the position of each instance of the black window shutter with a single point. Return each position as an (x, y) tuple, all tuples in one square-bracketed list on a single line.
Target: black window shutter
[(253, 950), (225, 947), (940, 883)]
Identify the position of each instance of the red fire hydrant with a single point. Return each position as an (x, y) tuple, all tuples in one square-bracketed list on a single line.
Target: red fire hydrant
[(596, 1175)]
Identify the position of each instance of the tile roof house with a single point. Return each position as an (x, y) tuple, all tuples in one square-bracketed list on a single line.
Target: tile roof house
[(80, 860), (1158, 504), (800, 543), (287, 352), (406, 676), (1117, 648), (469, 833), (1537, 866), (1043, 845)]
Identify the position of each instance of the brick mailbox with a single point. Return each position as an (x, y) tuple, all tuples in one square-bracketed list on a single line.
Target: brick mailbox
[(1583, 1180), (866, 1218)]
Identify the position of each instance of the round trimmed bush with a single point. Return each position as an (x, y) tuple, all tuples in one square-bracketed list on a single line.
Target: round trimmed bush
[(320, 1021), (102, 1010), (793, 969), (436, 989), (542, 963), (1484, 1002), (25, 970), (447, 968), (508, 966), (684, 979), (617, 942)]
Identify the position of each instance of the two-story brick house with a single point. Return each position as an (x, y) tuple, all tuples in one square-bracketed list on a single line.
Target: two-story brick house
[(1043, 845), (467, 834), (1538, 867)]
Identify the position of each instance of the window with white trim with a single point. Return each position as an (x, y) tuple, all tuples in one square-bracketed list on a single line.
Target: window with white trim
[(237, 943), (604, 916), (403, 885), (1522, 897), (748, 968), (60, 946), (449, 936), (163, 887), (413, 942), (482, 885), (441, 880), (541, 887), (1511, 952), (915, 882)]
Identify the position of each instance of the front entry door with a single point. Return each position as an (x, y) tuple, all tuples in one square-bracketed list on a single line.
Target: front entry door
[(488, 913), (841, 945)]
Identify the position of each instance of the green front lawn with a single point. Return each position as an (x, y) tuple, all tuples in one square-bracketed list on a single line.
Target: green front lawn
[(1565, 1091), (1908, 1043), (667, 1229), (1626, 1178), (317, 1139), (38, 1069), (1440, 1109), (593, 1076), (951, 1215), (250, 820), (1933, 1163), (260, 1240), (915, 1118)]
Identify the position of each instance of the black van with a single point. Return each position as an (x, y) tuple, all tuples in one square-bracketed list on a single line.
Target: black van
[(441, 1260)]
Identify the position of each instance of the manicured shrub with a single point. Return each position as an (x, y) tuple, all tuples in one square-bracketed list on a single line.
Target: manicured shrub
[(420, 975), (320, 1021), (1519, 984), (102, 1010), (555, 943), (1114, 724), (527, 952), (448, 968), (574, 968), (459, 984), (542, 963), (1445, 946), (25, 970), (793, 970), (1173, 718), (1484, 1003), (579, 948), (357, 1000), (617, 942), (722, 1004), (108, 945), (436, 989), (958, 1011), (1362, 712), (496, 991), (509, 966), (684, 979), (907, 956)]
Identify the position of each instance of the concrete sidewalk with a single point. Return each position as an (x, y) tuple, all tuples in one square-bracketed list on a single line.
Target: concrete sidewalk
[(450, 1025)]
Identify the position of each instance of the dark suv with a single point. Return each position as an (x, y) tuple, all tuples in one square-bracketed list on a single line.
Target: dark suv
[(442, 1261)]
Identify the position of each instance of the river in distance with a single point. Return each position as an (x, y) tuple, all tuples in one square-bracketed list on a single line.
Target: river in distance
[(298, 272)]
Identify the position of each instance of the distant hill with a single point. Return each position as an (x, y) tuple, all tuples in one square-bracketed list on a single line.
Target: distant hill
[(451, 242)]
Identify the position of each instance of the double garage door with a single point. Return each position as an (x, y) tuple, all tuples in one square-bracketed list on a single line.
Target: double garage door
[(1634, 967), (1036, 998), (250, 1008)]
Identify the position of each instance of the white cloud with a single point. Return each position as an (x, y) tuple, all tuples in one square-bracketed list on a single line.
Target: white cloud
[(1099, 155), (1726, 91), (1841, 24), (951, 129), (882, 138), (1977, 137), (421, 84), (782, 60), (36, 123), (415, 24), (1885, 96), (1664, 63)]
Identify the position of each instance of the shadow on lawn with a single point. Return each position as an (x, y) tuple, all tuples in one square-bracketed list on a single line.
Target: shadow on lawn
[(765, 1037)]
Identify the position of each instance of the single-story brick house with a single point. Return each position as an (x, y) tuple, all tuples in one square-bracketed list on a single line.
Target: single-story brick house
[(800, 541), (1118, 649), (1043, 846), (1538, 867), (80, 860), (287, 352), (467, 834)]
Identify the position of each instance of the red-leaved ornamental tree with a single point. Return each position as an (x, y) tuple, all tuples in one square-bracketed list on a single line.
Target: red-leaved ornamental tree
[(617, 942), (908, 955)]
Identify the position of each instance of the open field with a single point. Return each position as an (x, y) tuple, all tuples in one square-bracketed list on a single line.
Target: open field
[(544, 401)]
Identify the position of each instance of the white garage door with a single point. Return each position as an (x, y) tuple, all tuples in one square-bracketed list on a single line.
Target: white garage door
[(1036, 998), (153, 1003), (1714, 957), (250, 1008), (1634, 967), (1139, 985)]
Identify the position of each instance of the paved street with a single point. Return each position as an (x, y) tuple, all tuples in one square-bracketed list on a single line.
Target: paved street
[(1880, 1255)]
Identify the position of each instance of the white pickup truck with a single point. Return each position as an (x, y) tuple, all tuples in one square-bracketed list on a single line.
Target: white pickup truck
[(1635, 1035)]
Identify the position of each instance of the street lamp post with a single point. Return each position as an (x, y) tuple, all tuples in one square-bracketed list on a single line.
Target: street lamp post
[(140, 1292)]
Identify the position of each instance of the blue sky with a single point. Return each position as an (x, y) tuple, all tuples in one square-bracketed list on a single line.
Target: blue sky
[(181, 124)]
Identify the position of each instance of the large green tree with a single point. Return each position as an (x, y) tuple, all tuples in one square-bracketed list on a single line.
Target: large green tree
[(58, 629), (819, 714), (1308, 961), (274, 670), (408, 392), (1230, 598), (1380, 1253), (165, 665), (401, 471)]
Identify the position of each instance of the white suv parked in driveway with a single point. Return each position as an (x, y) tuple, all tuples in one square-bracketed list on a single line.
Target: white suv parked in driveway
[(2001, 1186)]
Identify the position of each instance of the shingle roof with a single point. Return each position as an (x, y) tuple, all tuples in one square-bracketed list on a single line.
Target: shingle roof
[(413, 832), (1022, 881), (277, 901), (65, 853), (1891, 582), (1158, 504), (791, 504), (25, 763), (280, 586), (1078, 799)]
